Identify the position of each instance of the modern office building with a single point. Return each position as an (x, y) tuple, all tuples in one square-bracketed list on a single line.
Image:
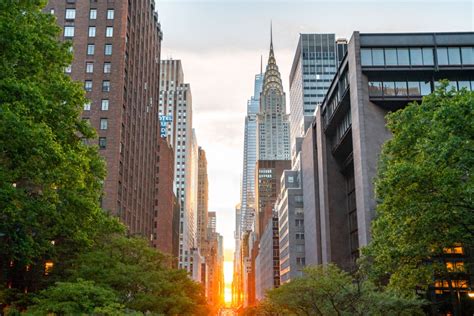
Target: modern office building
[(116, 49), (289, 208), (175, 110), (340, 152), (250, 156), (273, 127), (314, 65)]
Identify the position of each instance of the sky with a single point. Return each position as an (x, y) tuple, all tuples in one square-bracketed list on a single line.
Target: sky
[(220, 43)]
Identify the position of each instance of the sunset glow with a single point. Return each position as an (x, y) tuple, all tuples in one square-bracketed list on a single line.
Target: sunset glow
[(228, 275)]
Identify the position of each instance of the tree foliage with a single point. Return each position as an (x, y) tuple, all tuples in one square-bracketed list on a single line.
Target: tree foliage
[(50, 182), (424, 189), (327, 290), (76, 298), (50, 188), (140, 276)]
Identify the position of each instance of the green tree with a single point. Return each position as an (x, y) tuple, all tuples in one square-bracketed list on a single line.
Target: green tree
[(77, 298), (140, 276), (424, 190), (327, 290), (50, 182)]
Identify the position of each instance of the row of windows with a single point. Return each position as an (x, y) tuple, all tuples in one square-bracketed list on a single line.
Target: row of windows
[(69, 31), (417, 56), (399, 88), (90, 67), (105, 85), (70, 14), (104, 105), (107, 49)]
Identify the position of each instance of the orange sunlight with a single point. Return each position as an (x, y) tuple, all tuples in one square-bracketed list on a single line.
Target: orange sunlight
[(228, 276)]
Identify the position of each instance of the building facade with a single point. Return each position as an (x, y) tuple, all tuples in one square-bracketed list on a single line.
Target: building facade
[(111, 63), (175, 109), (379, 73), (314, 65), (289, 208), (247, 200), (273, 127), (165, 230), (203, 198)]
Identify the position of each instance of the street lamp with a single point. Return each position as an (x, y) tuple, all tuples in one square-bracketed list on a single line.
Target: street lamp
[(470, 293)]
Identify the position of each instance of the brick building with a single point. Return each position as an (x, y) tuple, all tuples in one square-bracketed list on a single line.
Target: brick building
[(166, 230), (116, 47)]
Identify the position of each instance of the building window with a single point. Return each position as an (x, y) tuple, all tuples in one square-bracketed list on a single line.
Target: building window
[(391, 57), (467, 55), (93, 14), (106, 85), (91, 31), (70, 14), (69, 31), (88, 85), (109, 31), (442, 54), (401, 88), (425, 87), (454, 56), (108, 49), (414, 88), (51, 11), (90, 49), (107, 67), (87, 106), (89, 68), (428, 56), (375, 88), (378, 57), (416, 56), (403, 57), (110, 14), (103, 123), (105, 105), (68, 69), (102, 142), (389, 88)]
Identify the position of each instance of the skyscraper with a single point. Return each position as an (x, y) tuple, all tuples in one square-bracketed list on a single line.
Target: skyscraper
[(175, 110), (273, 134), (314, 66), (250, 157), (273, 149), (203, 197), (116, 57)]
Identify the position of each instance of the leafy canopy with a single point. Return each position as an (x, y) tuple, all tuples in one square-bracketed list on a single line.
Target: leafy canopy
[(328, 290), (424, 189)]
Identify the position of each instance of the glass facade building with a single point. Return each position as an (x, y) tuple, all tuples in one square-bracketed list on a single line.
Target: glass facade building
[(314, 66), (250, 157)]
